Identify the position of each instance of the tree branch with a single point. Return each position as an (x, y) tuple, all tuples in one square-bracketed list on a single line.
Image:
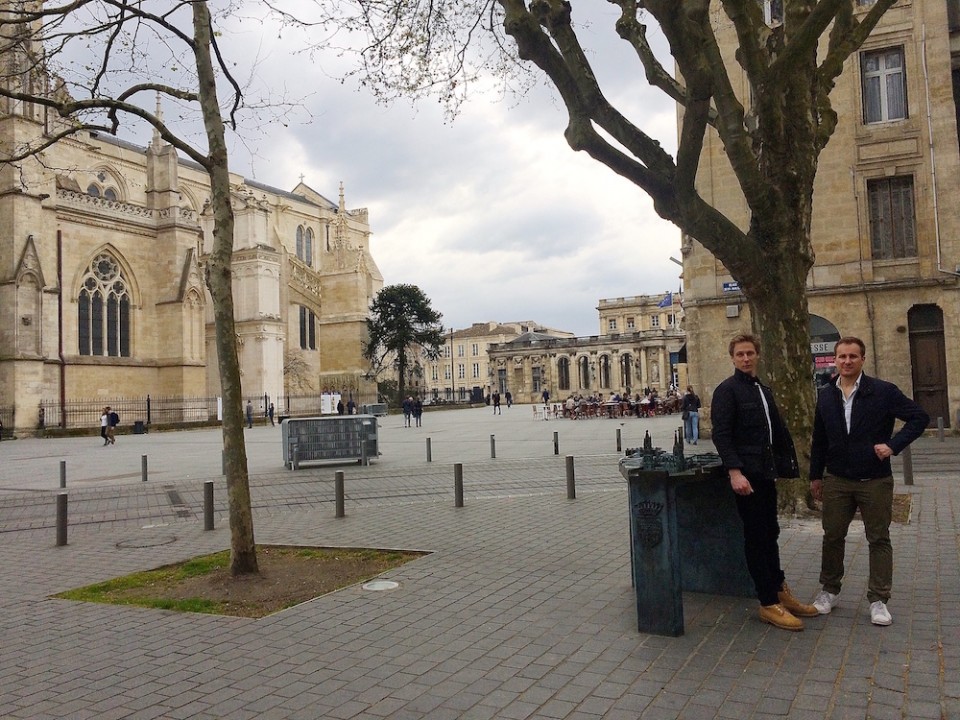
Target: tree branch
[(635, 33)]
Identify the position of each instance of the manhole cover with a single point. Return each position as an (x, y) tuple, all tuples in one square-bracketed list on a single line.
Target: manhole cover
[(147, 541), (380, 585)]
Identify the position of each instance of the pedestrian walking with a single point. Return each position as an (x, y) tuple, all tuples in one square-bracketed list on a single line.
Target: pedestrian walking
[(249, 414), (270, 414), (104, 420), (113, 419), (850, 470), (690, 412)]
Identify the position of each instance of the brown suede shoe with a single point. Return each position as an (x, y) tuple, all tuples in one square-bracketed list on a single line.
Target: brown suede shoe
[(778, 616), (795, 607)]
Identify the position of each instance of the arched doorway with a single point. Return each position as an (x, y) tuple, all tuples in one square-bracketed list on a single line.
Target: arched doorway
[(823, 338)]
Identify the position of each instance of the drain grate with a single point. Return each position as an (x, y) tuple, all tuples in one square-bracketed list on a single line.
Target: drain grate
[(180, 508)]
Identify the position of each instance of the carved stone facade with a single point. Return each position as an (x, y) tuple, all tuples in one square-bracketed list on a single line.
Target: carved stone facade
[(625, 363), (886, 223), (101, 277), (463, 370), (641, 346)]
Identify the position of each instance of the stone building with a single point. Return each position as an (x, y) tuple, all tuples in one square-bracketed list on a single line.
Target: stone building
[(463, 371), (101, 277), (886, 223), (641, 345)]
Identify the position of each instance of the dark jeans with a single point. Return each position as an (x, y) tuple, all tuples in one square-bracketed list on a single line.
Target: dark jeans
[(874, 499), (761, 530)]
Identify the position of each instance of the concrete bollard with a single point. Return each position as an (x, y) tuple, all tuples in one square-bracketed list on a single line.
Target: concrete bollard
[(940, 428), (556, 443), (207, 504), (571, 480), (907, 466), (61, 519), (63, 473), (143, 468), (619, 441), (338, 493), (429, 451), (493, 447), (458, 485)]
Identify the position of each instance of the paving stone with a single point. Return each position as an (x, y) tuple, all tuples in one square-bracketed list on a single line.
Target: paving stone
[(533, 617)]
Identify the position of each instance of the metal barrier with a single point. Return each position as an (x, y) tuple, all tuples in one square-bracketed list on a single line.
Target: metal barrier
[(338, 437)]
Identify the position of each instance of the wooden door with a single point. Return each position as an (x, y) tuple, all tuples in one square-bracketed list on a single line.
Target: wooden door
[(929, 362)]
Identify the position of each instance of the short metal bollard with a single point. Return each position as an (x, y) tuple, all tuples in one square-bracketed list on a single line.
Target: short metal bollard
[(61, 519), (907, 466), (556, 443), (619, 441), (429, 451), (63, 473), (940, 428), (143, 468), (338, 494), (493, 447), (208, 505), (458, 485), (571, 480)]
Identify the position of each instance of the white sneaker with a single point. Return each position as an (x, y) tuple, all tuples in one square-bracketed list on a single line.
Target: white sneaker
[(879, 615), (826, 601)]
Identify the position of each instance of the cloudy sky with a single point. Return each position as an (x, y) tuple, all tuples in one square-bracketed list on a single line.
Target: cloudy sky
[(492, 215)]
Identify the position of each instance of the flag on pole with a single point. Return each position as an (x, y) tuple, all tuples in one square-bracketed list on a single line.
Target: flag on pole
[(667, 301)]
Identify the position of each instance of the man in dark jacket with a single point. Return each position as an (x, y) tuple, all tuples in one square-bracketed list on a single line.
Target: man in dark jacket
[(850, 469), (755, 448), (690, 407)]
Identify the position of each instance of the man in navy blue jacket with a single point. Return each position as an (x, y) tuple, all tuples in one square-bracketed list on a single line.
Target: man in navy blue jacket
[(850, 469)]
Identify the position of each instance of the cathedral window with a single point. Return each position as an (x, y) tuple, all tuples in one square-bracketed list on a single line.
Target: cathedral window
[(300, 242), (110, 194), (93, 190), (103, 315), (308, 329), (308, 251)]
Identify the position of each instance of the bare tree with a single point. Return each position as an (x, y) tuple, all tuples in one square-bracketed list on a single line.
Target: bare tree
[(49, 64), (296, 372), (773, 139)]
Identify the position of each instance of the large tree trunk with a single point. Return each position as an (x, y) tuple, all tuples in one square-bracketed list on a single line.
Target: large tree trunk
[(243, 554), (778, 307)]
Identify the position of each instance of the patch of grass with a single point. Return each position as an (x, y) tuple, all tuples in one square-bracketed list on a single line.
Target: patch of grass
[(288, 576)]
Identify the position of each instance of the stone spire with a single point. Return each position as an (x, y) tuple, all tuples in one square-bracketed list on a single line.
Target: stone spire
[(157, 142)]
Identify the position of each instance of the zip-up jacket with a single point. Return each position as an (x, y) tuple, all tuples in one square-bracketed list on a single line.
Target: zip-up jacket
[(876, 405), (740, 431)]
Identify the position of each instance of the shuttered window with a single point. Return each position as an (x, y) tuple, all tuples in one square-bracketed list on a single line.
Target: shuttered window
[(892, 227)]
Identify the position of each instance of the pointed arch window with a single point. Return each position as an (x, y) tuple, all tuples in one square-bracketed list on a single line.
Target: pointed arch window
[(300, 242), (103, 314), (308, 329), (308, 251)]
